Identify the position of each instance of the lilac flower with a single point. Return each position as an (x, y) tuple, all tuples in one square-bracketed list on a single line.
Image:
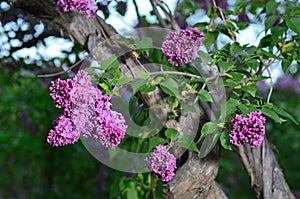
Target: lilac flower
[(181, 46), (161, 163), (60, 92), (87, 111), (83, 97), (83, 6), (249, 130), (63, 133), (111, 125)]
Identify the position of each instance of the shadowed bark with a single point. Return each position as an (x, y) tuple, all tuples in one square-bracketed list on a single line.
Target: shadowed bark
[(266, 175), (196, 178)]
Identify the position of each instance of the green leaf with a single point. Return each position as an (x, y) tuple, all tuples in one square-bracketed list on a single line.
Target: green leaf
[(147, 88), (285, 64), (265, 41), (145, 42), (187, 107), (208, 144), (154, 141), (170, 87), (210, 38), (293, 23), (159, 106), (271, 6), (282, 112), (225, 65), (266, 54), (208, 128), (204, 95), (144, 74), (138, 84), (229, 108), (204, 57), (235, 48), (254, 65), (110, 62), (271, 114), (187, 142), (225, 140), (250, 88), (132, 193), (105, 87), (236, 76), (270, 21), (123, 80), (171, 133), (246, 109)]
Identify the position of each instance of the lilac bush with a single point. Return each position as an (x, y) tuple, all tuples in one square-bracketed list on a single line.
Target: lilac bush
[(182, 46), (249, 130), (161, 163)]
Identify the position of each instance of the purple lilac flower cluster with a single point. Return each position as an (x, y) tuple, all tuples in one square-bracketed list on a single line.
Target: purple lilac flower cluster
[(182, 46), (112, 127), (249, 130), (83, 6), (64, 132), (161, 163), (87, 112)]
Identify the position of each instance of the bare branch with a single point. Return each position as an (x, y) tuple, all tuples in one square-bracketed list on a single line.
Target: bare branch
[(159, 18), (137, 12), (62, 72)]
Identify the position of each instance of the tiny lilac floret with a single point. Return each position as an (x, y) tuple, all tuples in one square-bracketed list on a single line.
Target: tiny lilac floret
[(182, 46), (87, 7), (161, 163), (249, 130)]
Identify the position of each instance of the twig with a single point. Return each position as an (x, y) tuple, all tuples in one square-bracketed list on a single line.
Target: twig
[(61, 72), (220, 10), (168, 13), (177, 6), (160, 19), (271, 88), (137, 11), (153, 186), (223, 19), (175, 73)]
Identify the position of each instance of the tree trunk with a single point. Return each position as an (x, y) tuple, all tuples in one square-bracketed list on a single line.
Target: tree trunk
[(266, 175)]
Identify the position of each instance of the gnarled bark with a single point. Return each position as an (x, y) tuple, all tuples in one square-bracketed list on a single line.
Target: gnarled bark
[(267, 178)]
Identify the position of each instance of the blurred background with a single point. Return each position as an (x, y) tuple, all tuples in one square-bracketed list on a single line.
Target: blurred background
[(31, 168)]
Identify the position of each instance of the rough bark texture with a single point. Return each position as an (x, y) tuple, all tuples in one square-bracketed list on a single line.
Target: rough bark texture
[(196, 178), (267, 178)]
